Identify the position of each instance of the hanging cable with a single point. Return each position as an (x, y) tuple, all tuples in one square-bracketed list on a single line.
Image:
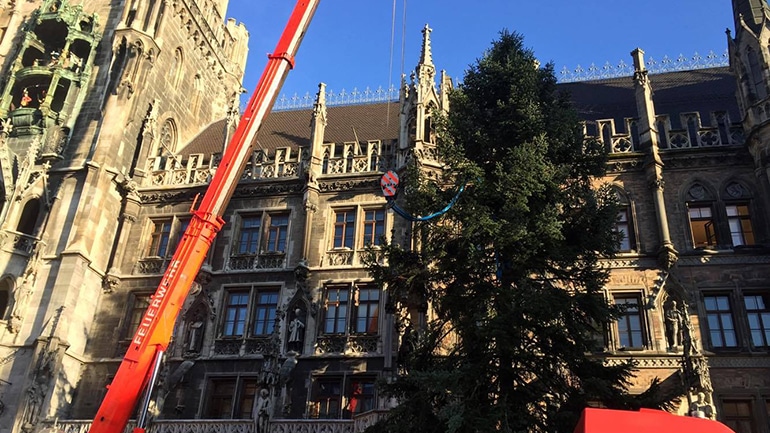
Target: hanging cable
[(390, 65), (403, 40)]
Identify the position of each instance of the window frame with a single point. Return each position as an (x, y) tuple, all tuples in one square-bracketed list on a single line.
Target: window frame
[(618, 334), (711, 221), (359, 232), (743, 220), (730, 419), (337, 325), (254, 236), (277, 235), (241, 402), (253, 306), (719, 314), (344, 396), (160, 239), (262, 236), (762, 319), (177, 224), (137, 305)]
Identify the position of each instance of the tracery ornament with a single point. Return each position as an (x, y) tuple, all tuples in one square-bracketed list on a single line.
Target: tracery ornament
[(697, 192), (167, 137), (735, 190)]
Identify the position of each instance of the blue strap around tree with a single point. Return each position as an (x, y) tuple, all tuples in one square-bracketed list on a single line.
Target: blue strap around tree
[(410, 217)]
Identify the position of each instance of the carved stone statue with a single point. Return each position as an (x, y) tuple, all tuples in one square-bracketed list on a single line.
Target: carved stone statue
[(262, 411), (296, 332), (674, 321)]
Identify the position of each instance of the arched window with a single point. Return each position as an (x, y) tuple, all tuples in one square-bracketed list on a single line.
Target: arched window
[(148, 15), (176, 68), (624, 224), (167, 138), (700, 211), (737, 202), (757, 73), (28, 219), (195, 106)]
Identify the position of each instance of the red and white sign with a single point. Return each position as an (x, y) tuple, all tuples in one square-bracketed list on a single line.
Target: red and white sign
[(389, 184)]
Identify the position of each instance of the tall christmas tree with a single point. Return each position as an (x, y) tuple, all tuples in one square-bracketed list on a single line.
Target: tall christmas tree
[(511, 273)]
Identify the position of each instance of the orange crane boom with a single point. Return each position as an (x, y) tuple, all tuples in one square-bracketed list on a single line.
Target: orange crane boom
[(154, 332)]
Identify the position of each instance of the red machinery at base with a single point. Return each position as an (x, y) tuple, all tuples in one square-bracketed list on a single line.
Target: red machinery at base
[(138, 370), (644, 421)]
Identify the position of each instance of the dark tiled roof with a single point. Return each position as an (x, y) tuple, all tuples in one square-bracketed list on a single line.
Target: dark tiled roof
[(292, 128), (702, 90), (210, 140)]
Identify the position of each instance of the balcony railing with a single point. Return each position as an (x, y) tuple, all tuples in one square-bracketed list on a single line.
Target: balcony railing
[(347, 344), (18, 243), (252, 262), (358, 424), (349, 257)]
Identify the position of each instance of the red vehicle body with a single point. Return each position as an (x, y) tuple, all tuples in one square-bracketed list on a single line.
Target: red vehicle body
[(139, 366), (154, 333), (644, 421)]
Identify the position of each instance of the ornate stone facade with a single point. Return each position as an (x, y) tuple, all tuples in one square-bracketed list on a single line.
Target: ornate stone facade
[(283, 330)]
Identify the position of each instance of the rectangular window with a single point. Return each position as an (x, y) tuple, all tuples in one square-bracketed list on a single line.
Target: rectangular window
[(739, 220), (622, 226), (737, 415), (236, 305), (264, 313), (161, 232), (277, 232), (758, 316), (629, 325), (336, 310), (138, 307), (367, 311), (374, 227), (360, 396), (702, 226), (342, 397), (248, 238), (344, 228), (719, 318), (220, 398), (327, 399), (230, 398)]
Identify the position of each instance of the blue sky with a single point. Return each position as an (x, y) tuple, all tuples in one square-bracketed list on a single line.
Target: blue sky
[(348, 44)]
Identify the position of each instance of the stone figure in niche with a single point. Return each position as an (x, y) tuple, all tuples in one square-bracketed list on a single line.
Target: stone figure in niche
[(296, 331), (701, 408), (674, 322), (262, 411), (35, 395)]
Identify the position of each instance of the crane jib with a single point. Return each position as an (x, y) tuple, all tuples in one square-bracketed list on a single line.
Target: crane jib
[(156, 326)]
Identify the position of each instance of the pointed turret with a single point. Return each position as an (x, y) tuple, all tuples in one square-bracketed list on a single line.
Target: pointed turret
[(425, 70), (751, 12), (317, 131)]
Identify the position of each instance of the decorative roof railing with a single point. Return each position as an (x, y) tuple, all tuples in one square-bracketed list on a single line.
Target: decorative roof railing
[(343, 97), (565, 75), (623, 69)]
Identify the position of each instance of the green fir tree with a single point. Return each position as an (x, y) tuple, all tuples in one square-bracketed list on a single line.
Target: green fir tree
[(511, 273)]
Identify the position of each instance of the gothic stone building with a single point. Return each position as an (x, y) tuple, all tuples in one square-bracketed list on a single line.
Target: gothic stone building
[(115, 114)]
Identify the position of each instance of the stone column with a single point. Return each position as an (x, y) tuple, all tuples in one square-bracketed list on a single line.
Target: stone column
[(648, 135)]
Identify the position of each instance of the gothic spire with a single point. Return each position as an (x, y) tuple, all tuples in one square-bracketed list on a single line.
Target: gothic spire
[(426, 57)]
